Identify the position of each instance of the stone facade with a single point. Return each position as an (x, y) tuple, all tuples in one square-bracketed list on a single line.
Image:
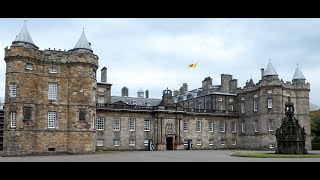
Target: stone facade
[(71, 77), (83, 116)]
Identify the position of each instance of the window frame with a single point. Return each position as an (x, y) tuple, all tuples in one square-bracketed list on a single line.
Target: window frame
[(100, 123), (13, 90), (52, 119), (13, 119), (185, 126), (147, 125), (116, 123), (211, 126), (270, 103), (132, 124), (222, 126), (52, 91), (199, 126)]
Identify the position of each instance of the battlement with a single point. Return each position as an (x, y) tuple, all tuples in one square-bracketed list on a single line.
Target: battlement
[(49, 55)]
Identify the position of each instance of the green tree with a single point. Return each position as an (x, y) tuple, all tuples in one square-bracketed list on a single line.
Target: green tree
[(315, 126)]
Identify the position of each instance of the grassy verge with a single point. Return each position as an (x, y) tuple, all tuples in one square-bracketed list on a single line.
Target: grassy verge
[(273, 155)]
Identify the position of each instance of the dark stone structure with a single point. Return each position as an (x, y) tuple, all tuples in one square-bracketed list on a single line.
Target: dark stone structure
[(290, 136)]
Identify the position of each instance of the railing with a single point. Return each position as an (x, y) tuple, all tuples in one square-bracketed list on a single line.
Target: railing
[(136, 107)]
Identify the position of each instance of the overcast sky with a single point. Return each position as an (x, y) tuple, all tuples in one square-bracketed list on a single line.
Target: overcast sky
[(154, 54)]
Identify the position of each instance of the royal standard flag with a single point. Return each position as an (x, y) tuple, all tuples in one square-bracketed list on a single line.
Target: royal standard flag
[(192, 65)]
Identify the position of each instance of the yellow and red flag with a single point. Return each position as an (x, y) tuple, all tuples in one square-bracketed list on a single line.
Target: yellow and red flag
[(193, 65)]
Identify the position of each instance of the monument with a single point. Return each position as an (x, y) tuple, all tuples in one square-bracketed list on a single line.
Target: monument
[(290, 136)]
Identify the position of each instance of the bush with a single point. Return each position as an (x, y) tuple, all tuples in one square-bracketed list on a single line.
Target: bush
[(315, 146)]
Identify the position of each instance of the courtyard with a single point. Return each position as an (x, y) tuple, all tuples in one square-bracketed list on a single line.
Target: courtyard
[(157, 156)]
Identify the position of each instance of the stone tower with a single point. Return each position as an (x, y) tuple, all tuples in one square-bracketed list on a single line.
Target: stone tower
[(49, 98)]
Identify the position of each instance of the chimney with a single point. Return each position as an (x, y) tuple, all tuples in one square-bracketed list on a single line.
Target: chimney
[(124, 92), (262, 72), (147, 93), (104, 74)]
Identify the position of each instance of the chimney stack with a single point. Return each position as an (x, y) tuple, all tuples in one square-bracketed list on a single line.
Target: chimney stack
[(104, 74)]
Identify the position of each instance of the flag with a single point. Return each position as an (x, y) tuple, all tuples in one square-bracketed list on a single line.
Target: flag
[(193, 65)]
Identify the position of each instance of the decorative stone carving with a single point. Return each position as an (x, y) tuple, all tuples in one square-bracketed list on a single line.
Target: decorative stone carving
[(169, 128), (290, 136)]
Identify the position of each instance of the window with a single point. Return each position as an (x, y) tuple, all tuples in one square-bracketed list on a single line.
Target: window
[(242, 108), (223, 142), (132, 142), (233, 127), (199, 126), (53, 70), (134, 103), (94, 74), (255, 106), (29, 66), (52, 94), (230, 100), (101, 100), (52, 117), (146, 142), (210, 142), (230, 107), (185, 126), (100, 123), (116, 125), (27, 113), (255, 96), (255, 126), (100, 142), (148, 103), (211, 126), (13, 90), (242, 98), (101, 89), (185, 142), (269, 103), (82, 115), (243, 127), (269, 91), (199, 142), (13, 117), (219, 99), (270, 125), (116, 142), (146, 125), (222, 127), (220, 107), (234, 141), (132, 124)]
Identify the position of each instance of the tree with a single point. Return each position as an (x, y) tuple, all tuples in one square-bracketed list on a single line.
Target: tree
[(315, 126)]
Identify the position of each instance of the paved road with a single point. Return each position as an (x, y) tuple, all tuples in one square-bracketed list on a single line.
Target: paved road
[(155, 156)]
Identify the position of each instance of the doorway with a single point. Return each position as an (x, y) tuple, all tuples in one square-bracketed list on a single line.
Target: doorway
[(169, 144)]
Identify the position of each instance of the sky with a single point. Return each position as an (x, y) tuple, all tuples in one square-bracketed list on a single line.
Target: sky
[(154, 53)]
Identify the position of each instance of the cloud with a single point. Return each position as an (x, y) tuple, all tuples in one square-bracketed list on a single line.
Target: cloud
[(155, 53)]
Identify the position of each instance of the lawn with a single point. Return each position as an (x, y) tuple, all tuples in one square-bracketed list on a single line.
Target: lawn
[(273, 155)]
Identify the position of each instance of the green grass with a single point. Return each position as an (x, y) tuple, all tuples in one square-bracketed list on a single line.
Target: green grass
[(273, 155)]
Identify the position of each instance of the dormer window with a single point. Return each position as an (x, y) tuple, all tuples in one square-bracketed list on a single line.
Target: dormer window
[(53, 70), (134, 103), (29, 66)]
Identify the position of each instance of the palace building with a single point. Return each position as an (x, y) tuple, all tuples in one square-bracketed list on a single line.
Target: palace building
[(54, 104)]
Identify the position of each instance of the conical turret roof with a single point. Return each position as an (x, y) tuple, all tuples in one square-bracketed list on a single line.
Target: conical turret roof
[(24, 35), (270, 71), (298, 74), (83, 43)]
